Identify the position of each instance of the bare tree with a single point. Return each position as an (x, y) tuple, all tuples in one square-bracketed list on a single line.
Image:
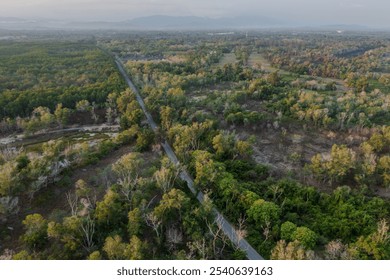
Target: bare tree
[(215, 229), (154, 222), (199, 246), (166, 177), (88, 231), (73, 202), (174, 237), (240, 231)]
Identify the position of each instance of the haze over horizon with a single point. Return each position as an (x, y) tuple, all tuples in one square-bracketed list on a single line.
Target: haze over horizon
[(356, 12)]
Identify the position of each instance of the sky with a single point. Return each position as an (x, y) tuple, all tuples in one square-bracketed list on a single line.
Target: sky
[(373, 13)]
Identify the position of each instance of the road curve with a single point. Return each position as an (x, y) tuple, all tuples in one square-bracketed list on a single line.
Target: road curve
[(221, 221)]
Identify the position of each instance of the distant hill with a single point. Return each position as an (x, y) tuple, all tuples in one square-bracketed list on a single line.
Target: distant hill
[(160, 22), (190, 22)]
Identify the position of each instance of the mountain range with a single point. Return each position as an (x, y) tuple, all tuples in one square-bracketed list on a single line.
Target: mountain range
[(159, 22)]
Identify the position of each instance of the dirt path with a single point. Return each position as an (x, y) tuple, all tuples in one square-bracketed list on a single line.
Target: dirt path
[(21, 138)]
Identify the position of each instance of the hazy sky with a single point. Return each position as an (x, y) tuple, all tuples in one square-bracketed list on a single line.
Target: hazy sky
[(364, 12)]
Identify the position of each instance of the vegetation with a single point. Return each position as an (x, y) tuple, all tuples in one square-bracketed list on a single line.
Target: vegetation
[(287, 135)]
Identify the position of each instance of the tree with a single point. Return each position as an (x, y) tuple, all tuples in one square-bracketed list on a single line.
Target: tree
[(336, 250), (115, 248), (171, 205), (35, 235), (287, 231), (264, 212), (377, 141), (134, 250), (273, 78), (336, 166), (145, 139), (290, 251), (306, 237), (134, 225), (166, 115), (167, 175), (111, 108), (384, 166), (207, 170), (189, 138), (110, 211), (41, 118), (374, 246), (223, 144), (7, 178), (244, 148), (83, 106), (61, 114), (94, 256), (128, 169), (118, 250)]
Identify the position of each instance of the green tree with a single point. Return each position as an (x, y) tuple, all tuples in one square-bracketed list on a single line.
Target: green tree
[(171, 205), (306, 237), (264, 213), (374, 246), (135, 219), (83, 106), (207, 170), (384, 167), (287, 231), (115, 248), (335, 167), (223, 144), (110, 211), (166, 115), (35, 235), (94, 256), (61, 115), (118, 250), (7, 178)]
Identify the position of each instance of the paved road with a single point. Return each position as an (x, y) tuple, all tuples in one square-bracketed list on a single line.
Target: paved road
[(221, 221)]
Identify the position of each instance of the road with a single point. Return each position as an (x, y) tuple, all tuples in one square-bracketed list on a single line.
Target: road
[(221, 221)]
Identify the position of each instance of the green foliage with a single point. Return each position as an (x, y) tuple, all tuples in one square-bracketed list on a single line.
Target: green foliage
[(94, 256), (207, 170), (287, 231), (135, 219), (22, 255), (374, 246), (172, 205), (68, 72), (337, 166), (305, 236), (118, 250), (145, 139), (35, 235), (110, 212), (264, 213)]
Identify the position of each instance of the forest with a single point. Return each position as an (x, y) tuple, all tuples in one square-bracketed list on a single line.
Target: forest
[(286, 134)]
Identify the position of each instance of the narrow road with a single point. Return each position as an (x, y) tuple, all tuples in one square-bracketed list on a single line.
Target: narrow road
[(221, 221)]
